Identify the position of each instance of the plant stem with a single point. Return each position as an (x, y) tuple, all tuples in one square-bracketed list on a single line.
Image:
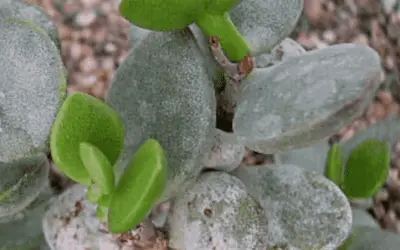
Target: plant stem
[(233, 43)]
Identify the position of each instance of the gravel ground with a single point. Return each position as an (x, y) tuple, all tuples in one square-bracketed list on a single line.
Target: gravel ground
[(94, 42)]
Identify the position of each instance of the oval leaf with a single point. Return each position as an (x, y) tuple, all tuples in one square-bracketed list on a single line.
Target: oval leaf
[(178, 110), (84, 118), (21, 182), (367, 238), (32, 80), (279, 102), (366, 169), (99, 168), (139, 188), (334, 168)]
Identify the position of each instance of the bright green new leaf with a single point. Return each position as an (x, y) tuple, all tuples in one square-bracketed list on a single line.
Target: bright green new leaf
[(211, 16), (334, 168), (84, 118), (95, 195), (366, 169), (139, 188), (99, 168)]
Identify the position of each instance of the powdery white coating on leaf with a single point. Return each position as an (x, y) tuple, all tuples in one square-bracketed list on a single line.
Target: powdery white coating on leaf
[(71, 223), (32, 13), (286, 49), (23, 230), (31, 79), (162, 91), (367, 238), (217, 213), (312, 158), (305, 210), (224, 154), (387, 130), (264, 23), (306, 98), (21, 182)]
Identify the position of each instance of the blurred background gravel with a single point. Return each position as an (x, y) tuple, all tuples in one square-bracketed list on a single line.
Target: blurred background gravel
[(95, 41)]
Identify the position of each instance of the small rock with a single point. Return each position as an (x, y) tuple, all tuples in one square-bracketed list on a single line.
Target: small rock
[(86, 18)]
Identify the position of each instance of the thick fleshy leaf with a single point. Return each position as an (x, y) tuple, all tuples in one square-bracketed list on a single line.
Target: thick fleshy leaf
[(139, 188), (306, 210), (170, 14), (31, 12), (306, 98), (23, 230), (31, 91), (217, 213), (362, 218), (265, 23), (367, 169), (21, 182), (98, 166), (334, 166), (387, 130), (168, 98), (367, 238), (226, 154), (286, 49), (84, 118), (310, 158)]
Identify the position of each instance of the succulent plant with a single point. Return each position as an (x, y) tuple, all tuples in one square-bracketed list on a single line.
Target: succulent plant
[(157, 136)]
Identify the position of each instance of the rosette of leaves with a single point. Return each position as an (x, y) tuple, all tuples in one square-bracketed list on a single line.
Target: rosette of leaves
[(32, 88), (165, 91)]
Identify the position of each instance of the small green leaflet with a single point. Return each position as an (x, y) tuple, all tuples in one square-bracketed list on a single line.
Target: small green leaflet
[(334, 169)]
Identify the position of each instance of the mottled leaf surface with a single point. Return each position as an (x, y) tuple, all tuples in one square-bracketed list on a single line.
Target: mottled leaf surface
[(32, 13), (162, 91), (83, 227), (23, 230), (306, 98), (226, 154), (311, 158), (367, 238), (264, 23), (217, 213), (21, 182), (31, 89), (305, 210), (286, 49)]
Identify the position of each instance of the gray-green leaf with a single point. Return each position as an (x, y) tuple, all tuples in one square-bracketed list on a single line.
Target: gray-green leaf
[(366, 238), (306, 98), (21, 182), (32, 13), (162, 91), (306, 210), (31, 89), (217, 213), (264, 23)]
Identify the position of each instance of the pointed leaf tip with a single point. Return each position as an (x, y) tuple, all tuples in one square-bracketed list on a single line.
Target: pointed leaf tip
[(140, 187), (84, 118), (366, 169)]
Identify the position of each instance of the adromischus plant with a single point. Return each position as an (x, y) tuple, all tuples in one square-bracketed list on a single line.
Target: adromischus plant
[(155, 138)]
